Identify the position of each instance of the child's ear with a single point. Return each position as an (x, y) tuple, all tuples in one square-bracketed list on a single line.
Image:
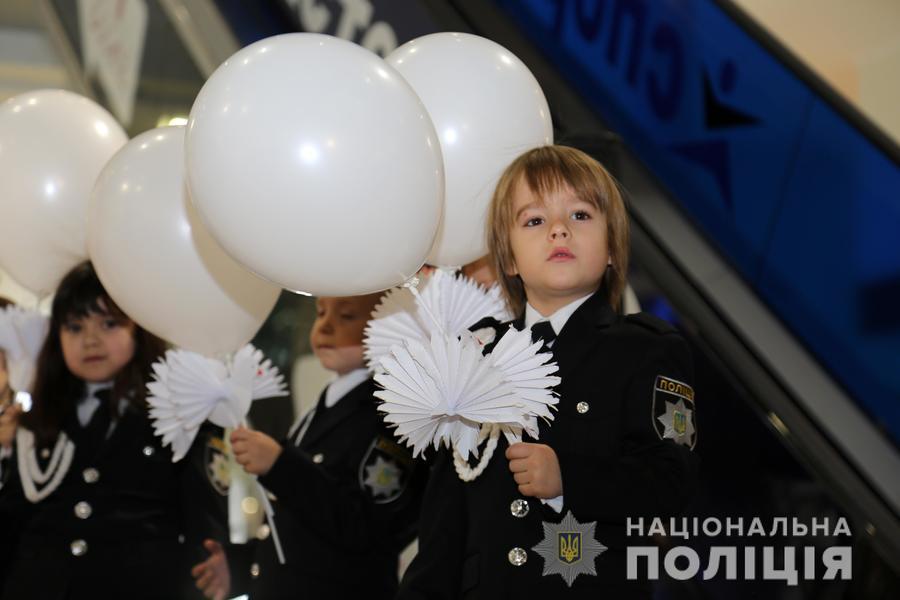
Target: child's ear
[(511, 270)]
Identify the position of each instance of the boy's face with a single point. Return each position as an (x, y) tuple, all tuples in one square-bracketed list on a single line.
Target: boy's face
[(96, 347), (337, 333), (559, 246)]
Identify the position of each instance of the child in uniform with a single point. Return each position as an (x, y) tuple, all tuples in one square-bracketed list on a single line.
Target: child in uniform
[(93, 505), (347, 494), (547, 518)]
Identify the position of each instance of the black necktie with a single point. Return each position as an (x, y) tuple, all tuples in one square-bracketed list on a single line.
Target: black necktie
[(95, 430), (543, 331)]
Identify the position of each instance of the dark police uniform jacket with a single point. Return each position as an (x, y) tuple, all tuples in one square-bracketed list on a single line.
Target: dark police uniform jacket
[(347, 503), (125, 521), (617, 461)]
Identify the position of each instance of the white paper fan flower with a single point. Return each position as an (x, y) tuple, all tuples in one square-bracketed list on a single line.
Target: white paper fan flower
[(393, 321), (22, 333), (445, 391), (189, 388), (455, 302), (529, 370)]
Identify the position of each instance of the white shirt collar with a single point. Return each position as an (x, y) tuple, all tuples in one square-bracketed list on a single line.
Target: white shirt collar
[(557, 319), (89, 404), (342, 384)]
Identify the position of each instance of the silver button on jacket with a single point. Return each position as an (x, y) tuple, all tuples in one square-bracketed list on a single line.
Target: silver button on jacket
[(519, 508), (78, 547), (517, 556), (83, 510)]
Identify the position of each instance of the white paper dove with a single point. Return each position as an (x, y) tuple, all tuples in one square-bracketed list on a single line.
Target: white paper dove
[(455, 302), (443, 392), (22, 333), (189, 388), (531, 373)]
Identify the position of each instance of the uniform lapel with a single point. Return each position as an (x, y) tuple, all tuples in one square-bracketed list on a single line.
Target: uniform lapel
[(126, 430), (579, 333), (327, 419)]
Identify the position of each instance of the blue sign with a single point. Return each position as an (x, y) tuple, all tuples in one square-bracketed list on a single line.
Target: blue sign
[(379, 25)]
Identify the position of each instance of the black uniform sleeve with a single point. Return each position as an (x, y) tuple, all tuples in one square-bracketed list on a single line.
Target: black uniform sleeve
[(14, 510), (5, 466), (204, 493), (653, 476), (344, 511), (240, 557), (436, 571)]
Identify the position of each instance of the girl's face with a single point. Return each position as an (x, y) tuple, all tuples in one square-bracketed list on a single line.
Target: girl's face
[(96, 347), (559, 245)]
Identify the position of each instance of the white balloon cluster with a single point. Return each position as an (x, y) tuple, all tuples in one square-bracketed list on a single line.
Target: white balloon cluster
[(53, 144), (315, 164), (487, 108), (158, 261), (308, 163)]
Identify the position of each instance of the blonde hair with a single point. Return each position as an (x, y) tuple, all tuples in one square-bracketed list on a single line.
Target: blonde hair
[(545, 170)]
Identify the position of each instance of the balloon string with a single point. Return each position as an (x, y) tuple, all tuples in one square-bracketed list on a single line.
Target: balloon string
[(270, 517), (413, 287), (427, 311)]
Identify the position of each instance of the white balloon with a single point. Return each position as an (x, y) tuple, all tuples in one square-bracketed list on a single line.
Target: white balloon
[(315, 165), (488, 109), (53, 143), (156, 259)]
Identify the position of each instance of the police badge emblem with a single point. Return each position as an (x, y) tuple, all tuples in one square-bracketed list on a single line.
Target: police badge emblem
[(384, 470), (569, 548), (673, 411), (218, 471)]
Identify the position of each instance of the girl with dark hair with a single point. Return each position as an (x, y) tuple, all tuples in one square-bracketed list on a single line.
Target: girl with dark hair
[(93, 505)]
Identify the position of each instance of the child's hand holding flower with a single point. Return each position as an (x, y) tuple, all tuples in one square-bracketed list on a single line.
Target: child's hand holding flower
[(535, 468)]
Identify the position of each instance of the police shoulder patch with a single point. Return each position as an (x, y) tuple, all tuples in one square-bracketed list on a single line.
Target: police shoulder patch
[(648, 321), (385, 470), (215, 459), (673, 411)]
